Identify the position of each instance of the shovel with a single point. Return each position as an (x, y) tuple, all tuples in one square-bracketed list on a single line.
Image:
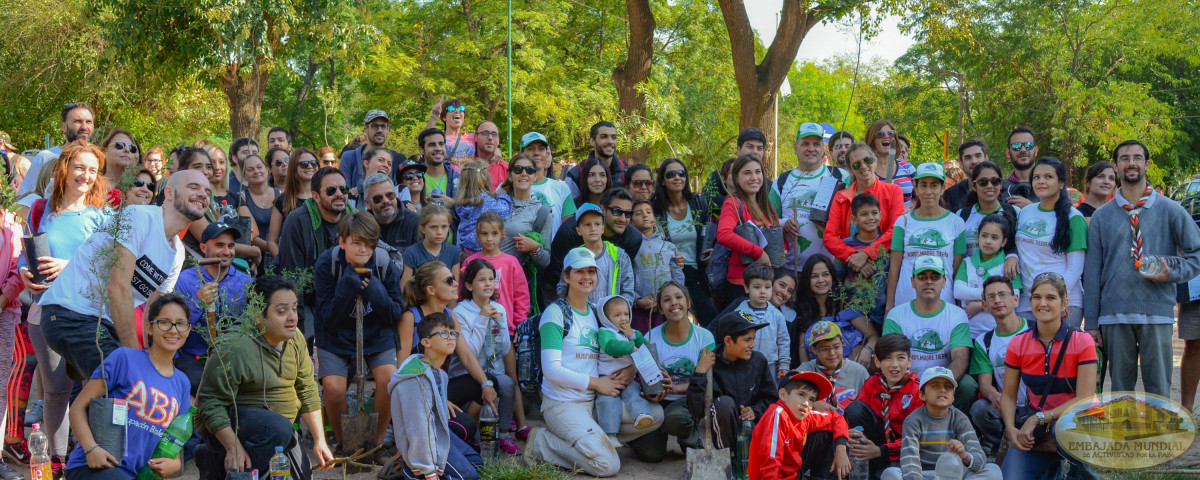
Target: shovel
[(710, 463), (358, 427)]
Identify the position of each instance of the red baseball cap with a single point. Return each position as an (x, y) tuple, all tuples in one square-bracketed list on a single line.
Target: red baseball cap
[(824, 388)]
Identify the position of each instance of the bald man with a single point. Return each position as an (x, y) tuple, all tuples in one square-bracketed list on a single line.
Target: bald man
[(142, 242)]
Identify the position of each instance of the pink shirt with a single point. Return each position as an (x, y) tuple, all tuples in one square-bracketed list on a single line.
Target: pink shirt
[(511, 285), (10, 251)]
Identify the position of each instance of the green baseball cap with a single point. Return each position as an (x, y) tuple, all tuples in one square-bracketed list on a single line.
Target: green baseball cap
[(929, 263), (810, 129), (930, 169), (528, 139)]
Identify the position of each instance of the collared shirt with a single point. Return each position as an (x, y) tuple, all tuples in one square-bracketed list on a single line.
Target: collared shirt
[(1035, 362), (231, 300)]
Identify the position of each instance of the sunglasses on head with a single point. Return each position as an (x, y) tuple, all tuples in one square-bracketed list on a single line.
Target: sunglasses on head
[(672, 174), (307, 164), (138, 183), (460, 108), (125, 146), (642, 183), (379, 198), (1017, 145), (330, 190), (621, 212), (994, 181), (859, 163), (519, 169), (410, 176)]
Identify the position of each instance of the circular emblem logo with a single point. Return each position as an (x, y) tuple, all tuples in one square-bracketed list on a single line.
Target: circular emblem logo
[(1125, 430)]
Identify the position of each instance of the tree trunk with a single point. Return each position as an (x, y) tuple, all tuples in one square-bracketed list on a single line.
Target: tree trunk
[(244, 94), (635, 70), (758, 83)]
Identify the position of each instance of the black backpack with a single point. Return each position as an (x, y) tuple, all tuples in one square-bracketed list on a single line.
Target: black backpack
[(529, 347), (836, 172)]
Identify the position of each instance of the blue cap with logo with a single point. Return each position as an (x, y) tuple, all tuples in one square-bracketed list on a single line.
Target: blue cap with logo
[(587, 208), (579, 257)]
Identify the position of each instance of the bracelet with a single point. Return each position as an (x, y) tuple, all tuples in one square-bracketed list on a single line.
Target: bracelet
[(88, 451), (868, 347)]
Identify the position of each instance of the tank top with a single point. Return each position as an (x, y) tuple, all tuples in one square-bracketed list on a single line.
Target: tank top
[(261, 216)]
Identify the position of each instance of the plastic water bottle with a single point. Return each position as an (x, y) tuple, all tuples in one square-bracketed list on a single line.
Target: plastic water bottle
[(39, 462), (281, 468), (743, 449), (525, 359), (177, 434), (860, 469), (489, 426)]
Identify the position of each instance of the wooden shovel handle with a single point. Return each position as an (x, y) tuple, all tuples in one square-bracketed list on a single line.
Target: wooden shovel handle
[(708, 400)]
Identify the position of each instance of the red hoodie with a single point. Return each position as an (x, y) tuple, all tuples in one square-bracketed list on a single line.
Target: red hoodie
[(891, 207), (779, 440), (901, 403)]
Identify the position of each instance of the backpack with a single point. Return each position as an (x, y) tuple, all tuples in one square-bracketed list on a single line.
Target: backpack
[(781, 180), (381, 263), (717, 270), (529, 347)]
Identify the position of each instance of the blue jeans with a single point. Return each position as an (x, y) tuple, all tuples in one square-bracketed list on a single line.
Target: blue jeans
[(608, 409), (1042, 466)]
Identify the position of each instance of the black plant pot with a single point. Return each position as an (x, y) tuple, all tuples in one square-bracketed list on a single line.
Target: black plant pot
[(109, 436), (36, 247)]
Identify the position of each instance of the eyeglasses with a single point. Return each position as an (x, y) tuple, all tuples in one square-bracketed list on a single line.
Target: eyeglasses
[(408, 177), (983, 182), (125, 146), (165, 326), (450, 281), (444, 334), (379, 198), (486, 134), (460, 108), (642, 183), (138, 183), (330, 190), (886, 133), (307, 164), (378, 126), (526, 169), (929, 277), (1017, 145), (859, 163), (621, 212), (998, 295), (829, 349), (671, 174)]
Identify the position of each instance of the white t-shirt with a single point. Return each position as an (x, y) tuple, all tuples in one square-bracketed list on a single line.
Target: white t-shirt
[(157, 262), (679, 360), (795, 202), (556, 195), (990, 358), (932, 336), (942, 237), (1035, 232), (566, 377), (972, 227)]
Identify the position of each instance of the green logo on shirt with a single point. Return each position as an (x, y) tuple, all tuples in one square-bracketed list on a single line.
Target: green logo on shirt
[(681, 367), (1037, 228), (930, 238), (927, 340)]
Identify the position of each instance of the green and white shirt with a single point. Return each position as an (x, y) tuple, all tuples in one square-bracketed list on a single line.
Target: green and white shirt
[(794, 201), (942, 237), (679, 359), (570, 361), (933, 336), (989, 358), (972, 227), (968, 286), (1035, 232), (556, 195)]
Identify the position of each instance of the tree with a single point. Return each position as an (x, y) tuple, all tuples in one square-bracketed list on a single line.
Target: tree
[(635, 69)]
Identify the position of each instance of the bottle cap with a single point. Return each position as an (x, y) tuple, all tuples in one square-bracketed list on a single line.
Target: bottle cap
[(37, 426), (278, 449)]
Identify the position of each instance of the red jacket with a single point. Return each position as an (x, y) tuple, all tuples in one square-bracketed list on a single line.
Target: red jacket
[(891, 207), (901, 403), (779, 439), (740, 246)]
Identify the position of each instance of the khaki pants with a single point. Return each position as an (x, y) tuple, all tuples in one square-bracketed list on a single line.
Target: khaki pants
[(573, 440)]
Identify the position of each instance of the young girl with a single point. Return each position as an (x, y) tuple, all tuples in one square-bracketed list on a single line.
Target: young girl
[(595, 182), (984, 198), (473, 199), (616, 332), (510, 281), (130, 375), (928, 229), (1051, 237), (482, 322), (433, 230), (751, 203), (817, 299), (988, 260)]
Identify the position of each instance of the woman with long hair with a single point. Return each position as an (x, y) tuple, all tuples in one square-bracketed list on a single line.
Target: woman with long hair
[(749, 201), (198, 159), (122, 152), (221, 185), (820, 296), (327, 157), (881, 135), (929, 229), (529, 230), (1099, 184), (682, 217), (296, 190), (595, 182), (985, 198), (258, 197)]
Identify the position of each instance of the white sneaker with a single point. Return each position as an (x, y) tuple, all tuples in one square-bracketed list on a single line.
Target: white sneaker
[(615, 443), (643, 421)]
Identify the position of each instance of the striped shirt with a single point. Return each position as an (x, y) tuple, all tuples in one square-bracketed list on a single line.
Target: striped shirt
[(1027, 354), (925, 438)]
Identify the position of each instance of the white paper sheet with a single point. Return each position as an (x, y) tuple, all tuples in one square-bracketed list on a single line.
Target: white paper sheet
[(647, 366)]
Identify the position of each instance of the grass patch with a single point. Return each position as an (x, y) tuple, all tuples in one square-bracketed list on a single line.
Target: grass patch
[(1147, 476), (513, 469)]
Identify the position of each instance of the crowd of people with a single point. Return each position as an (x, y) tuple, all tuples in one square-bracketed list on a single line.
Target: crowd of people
[(859, 305)]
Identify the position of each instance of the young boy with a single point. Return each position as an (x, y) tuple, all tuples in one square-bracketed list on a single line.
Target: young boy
[(884, 402), (419, 408), (939, 441), (614, 272), (615, 326), (340, 285), (743, 383), (865, 215), (774, 343), (658, 261), (825, 339), (782, 446)]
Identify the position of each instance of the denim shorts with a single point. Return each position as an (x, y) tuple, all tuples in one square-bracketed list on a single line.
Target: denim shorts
[(329, 363)]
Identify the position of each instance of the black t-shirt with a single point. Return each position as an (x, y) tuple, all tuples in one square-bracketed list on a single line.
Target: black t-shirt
[(1085, 209), (956, 195), (401, 232)]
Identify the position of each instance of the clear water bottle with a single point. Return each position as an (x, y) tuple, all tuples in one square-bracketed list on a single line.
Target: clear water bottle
[(525, 359), (860, 469), (489, 430), (281, 468), (743, 450), (39, 448)]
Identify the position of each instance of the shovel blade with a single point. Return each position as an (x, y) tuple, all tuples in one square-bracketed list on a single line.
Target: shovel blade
[(709, 464), (359, 431)]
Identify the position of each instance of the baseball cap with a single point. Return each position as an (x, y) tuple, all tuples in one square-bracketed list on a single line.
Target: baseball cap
[(930, 169), (930, 263), (373, 114), (935, 372), (587, 208), (821, 331), (579, 257), (810, 129), (214, 230), (824, 388), (733, 323), (412, 165), (528, 139)]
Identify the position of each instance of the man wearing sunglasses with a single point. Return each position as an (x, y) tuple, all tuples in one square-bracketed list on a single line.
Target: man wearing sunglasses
[(1022, 151), (397, 226), (603, 138), (78, 123), (312, 229), (376, 127), (970, 153), (617, 208)]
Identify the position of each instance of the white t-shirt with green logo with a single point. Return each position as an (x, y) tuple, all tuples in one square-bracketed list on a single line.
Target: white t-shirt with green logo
[(556, 195), (987, 358), (942, 237), (579, 348), (679, 360), (795, 201), (932, 336), (1035, 232)]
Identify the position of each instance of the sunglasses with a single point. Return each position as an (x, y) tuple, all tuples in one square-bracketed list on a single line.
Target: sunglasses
[(450, 281), (519, 169), (994, 181), (329, 191), (929, 277), (279, 162), (307, 164), (379, 198), (621, 212), (859, 163), (886, 133), (138, 183), (643, 183), (672, 174), (165, 326), (125, 146), (460, 108), (408, 177), (444, 335), (1017, 145)]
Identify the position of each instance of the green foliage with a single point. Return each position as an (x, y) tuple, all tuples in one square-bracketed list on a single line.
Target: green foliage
[(512, 469)]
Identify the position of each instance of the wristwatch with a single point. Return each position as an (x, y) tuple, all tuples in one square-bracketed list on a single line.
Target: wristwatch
[(487, 384), (1041, 418)]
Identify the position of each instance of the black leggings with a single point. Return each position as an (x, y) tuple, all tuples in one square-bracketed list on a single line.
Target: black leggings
[(462, 390), (698, 289)]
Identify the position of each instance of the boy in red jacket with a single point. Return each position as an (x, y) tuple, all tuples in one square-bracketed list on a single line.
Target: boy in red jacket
[(781, 439), (883, 403)]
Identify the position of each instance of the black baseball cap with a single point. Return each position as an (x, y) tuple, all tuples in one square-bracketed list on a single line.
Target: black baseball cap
[(214, 230), (734, 323)]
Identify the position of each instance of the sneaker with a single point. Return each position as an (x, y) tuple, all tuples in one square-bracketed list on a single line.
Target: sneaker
[(7, 472), (33, 414), (523, 433), (509, 445), (57, 467), (18, 452), (615, 443), (643, 421), (527, 457)]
